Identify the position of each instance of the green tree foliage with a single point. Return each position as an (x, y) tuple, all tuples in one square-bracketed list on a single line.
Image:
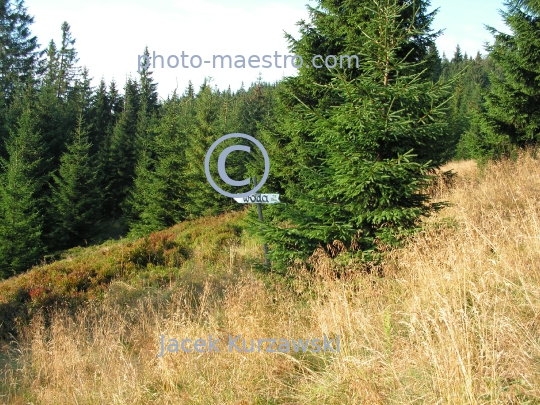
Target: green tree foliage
[(469, 80), (467, 105), (149, 106), (21, 219), (149, 95), (256, 115), (170, 182), (207, 128), (106, 109), (122, 155), (335, 28), (158, 199), (512, 113), (19, 61), (66, 60), (76, 197), (20, 55), (256, 108), (61, 94), (91, 155), (358, 176), (101, 119)]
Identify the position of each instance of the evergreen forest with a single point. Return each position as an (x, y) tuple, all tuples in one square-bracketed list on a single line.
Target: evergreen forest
[(353, 150)]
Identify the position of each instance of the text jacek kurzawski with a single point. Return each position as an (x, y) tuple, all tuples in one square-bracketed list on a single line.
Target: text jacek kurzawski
[(243, 345)]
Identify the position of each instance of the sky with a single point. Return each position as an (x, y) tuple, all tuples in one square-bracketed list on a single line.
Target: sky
[(111, 34)]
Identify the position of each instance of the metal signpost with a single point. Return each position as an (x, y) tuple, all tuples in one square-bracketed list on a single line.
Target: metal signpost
[(249, 197), (260, 199)]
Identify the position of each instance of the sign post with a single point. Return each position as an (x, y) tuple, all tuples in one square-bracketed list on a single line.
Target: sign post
[(259, 209), (246, 197), (265, 247), (260, 199)]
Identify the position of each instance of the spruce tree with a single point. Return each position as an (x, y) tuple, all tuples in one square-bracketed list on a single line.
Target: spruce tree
[(21, 202), (81, 97), (464, 116), (256, 108), (148, 89), (360, 174), (76, 197), (207, 128), (121, 161), (20, 56), (159, 196), (458, 56), (147, 114), (67, 58), (140, 216), (61, 91), (19, 61), (101, 119), (335, 28), (54, 125), (512, 112), (105, 112), (116, 100)]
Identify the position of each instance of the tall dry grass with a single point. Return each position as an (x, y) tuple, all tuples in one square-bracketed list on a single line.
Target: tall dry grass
[(454, 320)]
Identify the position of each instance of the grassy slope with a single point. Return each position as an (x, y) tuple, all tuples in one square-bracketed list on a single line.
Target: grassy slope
[(455, 318), (85, 273)]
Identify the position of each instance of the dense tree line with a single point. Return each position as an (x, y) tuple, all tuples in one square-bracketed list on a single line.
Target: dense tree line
[(352, 148), (79, 162)]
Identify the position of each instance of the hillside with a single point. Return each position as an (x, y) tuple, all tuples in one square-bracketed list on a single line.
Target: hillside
[(452, 318)]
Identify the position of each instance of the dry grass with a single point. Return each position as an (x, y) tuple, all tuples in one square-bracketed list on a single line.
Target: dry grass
[(466, 169), (454, 320)]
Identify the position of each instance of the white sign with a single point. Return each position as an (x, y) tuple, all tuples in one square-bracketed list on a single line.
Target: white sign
[(259, 198)]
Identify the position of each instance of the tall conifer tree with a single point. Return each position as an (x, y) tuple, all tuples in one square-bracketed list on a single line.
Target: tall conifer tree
[(122, 153), (76, 196), (21, 200), (202, 198), (20, 55), (512, 109), (363, 156), (159, 196)]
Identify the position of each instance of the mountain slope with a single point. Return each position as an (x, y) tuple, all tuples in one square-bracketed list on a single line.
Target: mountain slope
[(453, 318)]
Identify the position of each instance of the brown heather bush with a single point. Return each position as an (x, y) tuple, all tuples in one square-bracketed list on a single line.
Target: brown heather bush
[(454, 318)]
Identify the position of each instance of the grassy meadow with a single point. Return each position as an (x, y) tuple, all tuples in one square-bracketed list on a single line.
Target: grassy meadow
[(451, 318)]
